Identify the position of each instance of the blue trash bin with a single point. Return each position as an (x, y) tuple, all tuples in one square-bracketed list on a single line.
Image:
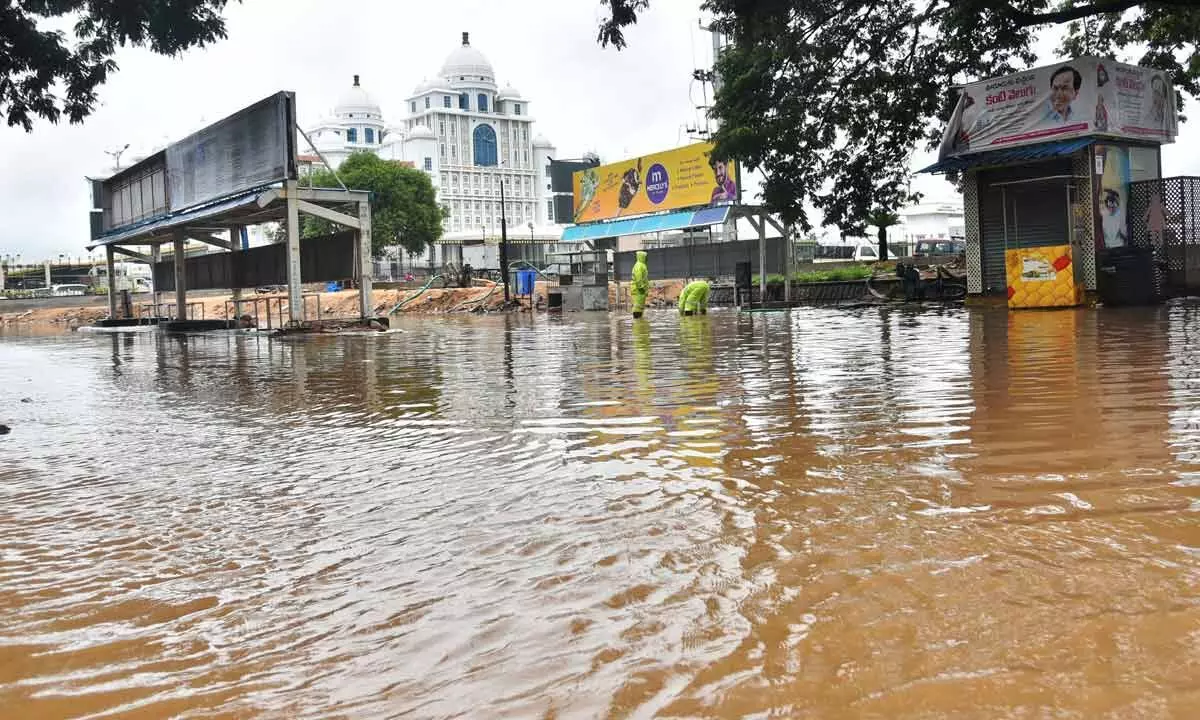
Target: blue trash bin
[(525, 280)]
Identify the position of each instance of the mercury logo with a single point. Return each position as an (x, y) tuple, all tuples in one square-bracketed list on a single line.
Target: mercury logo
[(657, 183)]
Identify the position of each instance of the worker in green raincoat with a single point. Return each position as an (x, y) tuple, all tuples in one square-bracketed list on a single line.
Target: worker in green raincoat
[(641, 284), (694, 298)]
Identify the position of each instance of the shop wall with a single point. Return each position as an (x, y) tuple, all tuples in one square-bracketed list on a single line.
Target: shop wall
[(970, 186)]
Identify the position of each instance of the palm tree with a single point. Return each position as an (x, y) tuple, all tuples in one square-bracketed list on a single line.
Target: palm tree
[(882, 220)]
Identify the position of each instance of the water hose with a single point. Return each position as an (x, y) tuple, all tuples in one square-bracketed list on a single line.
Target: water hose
[(531, 266), (406, 301), (465, 303)]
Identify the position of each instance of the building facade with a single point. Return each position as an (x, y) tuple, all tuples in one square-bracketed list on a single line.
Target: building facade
[(470, 135), (931, 221)]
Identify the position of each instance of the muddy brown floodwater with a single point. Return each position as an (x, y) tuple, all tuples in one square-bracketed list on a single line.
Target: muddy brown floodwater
[(875, 513)]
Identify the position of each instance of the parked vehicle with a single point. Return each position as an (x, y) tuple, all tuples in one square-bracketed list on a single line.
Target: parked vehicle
[(69, 289), (863, 252), (931, 248)]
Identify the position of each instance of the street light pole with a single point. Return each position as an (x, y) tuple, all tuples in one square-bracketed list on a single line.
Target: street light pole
[(503, 242), (116, 156)]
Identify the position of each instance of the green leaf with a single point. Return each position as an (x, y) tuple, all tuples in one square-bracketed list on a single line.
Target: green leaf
[(404, 208)]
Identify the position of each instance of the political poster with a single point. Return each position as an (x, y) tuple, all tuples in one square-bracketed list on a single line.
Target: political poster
[(681, 178), (1084, 96)]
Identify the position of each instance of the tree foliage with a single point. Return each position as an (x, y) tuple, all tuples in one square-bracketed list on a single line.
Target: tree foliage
[(829, 98), (44, 73), (881, 220), (404, 208)]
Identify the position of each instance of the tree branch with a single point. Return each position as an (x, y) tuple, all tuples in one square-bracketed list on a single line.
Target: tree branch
[(1078, 12)]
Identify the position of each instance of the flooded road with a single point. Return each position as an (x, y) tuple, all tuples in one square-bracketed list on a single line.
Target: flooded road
[(825, 514)]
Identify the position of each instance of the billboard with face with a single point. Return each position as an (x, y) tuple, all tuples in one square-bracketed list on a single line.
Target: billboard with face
[(680, 178), (1085, 96)]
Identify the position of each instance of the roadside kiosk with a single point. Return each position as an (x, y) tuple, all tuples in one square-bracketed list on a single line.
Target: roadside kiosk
[(1047, 157)]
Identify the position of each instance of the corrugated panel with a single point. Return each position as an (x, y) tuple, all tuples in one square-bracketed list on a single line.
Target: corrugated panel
[(1024, 154), (992, 239), (127, 235), (647, 224), (1036, 214)]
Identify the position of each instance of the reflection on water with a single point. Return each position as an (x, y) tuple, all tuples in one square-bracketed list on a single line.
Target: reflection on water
[(822, 514)]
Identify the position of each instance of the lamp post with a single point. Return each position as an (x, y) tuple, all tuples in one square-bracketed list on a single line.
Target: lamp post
[(116, 156), (503, 241)]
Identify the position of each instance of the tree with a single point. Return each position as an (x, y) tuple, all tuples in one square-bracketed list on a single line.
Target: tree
[(404, 208), (829, 98), (881, 220), (37, 65)]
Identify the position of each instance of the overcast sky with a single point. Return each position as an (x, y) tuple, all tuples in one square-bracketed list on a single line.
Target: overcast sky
[(583, 98)]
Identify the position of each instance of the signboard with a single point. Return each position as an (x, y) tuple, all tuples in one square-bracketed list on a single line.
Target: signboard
[(131, 196), (1040, 277), (562, 173), (679, 178), (251, 148), (1085, 96)]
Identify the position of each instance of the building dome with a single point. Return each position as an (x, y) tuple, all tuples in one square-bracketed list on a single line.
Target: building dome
[(467, 62), (426, 85), (421, 132), (510, 93), (540, 141), (358, 101)]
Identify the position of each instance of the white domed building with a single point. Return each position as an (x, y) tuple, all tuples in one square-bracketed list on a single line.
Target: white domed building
[(470, 134), (356, 124)]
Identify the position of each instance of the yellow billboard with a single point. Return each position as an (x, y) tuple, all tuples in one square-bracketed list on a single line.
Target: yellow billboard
[(679, 178)]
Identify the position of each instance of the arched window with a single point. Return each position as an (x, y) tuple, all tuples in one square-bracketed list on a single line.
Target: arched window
[(482, 102), (485, 145)]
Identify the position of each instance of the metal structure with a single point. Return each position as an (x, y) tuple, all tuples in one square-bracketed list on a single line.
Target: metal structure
[(1164, 215), (278, 204), (208, 187), (682, 220), (708, 260), (266, 301)]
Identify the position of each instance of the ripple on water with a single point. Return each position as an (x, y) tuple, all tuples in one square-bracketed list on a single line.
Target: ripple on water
[(815, 514)]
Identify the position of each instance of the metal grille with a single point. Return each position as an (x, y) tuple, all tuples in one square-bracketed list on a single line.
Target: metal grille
[(1020, 206), (1083, 217), (1164, 215), (971, 215)]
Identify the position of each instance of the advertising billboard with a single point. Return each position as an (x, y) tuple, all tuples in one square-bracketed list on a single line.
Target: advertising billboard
[(133, 195), (1085, 96), (679, 178), (251, 148)]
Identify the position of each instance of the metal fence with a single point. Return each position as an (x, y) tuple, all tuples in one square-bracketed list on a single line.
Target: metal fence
[(1164, 215), (715, 260), (329, 257)]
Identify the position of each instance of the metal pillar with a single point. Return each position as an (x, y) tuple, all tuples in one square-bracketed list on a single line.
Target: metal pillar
[(111, 267), (365, 304), (787, 263), (155, 257), (235, 245), (180, 257), (762, 260), (49, 280), (295, 299), (503, 242)]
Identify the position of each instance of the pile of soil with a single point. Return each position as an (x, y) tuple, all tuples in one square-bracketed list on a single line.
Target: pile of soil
[(344, 303)]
